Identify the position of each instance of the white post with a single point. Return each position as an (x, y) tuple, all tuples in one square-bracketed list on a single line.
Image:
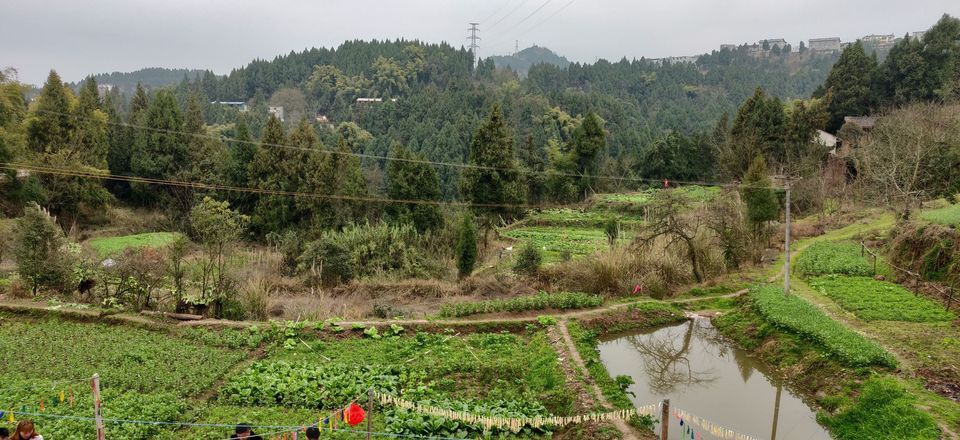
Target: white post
[(97, 414)]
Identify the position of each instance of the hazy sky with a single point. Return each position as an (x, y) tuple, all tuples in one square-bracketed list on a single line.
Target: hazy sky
[(90, 36)]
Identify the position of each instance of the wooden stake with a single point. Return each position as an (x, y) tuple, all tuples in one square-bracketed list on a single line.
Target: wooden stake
[(665, 419), (369, 412), (97, 414)]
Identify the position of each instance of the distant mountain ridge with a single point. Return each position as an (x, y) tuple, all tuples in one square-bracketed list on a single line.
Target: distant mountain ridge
[(522, 61)]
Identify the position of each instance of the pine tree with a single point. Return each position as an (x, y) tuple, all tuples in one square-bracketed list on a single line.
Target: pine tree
[(408, 179), (534, 165), (493, 178), (761, 200), (851, 83)]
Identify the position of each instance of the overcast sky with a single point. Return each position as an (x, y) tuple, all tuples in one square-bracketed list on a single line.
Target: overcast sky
[(91, 36)]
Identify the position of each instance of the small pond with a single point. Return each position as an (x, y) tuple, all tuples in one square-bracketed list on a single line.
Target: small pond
[(702, 373)]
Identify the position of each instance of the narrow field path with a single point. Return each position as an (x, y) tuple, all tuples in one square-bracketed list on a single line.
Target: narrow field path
[(628, 432)]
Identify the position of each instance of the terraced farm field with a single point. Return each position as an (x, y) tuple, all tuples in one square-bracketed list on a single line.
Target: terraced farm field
[(554, 240)]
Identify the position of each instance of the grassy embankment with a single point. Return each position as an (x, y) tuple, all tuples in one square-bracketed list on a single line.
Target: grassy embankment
[(839, 336)]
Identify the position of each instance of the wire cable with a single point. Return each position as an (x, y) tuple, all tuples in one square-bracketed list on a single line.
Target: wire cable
[(508, 14), (398, 159)]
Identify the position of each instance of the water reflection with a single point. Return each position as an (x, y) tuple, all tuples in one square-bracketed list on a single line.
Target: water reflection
[(698, 370), (666, 358)]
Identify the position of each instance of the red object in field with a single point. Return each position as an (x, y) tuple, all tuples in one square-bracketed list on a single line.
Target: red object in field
[(637, 289), (666, 183), (354, 414)]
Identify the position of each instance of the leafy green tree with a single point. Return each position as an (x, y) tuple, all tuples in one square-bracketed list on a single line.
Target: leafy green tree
[(217, 228), (466, 246), (41, 252), (612, 230), (941, 49), (336, 173), (408, 179), (904, 76), (69, 134), (760, 198), (851, 85), (493, 178)]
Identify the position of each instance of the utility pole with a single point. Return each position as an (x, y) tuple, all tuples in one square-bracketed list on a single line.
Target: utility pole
[(516, 47), (474, 38), (787, 181)]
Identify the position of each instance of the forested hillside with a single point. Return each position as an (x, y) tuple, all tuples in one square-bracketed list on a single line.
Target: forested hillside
[(522, 61), (151, 77), (432, 98)]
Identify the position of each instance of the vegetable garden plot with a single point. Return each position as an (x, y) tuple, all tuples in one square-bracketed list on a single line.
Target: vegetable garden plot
[(873, 300), (844, 257)]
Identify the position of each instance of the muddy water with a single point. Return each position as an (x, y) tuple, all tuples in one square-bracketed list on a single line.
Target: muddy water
[(700, 372)]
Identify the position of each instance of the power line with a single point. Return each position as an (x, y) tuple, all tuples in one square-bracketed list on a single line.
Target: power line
[(508, 14), (649, 180), (522, 20), (502, 42), (261, 191), (495, 11)]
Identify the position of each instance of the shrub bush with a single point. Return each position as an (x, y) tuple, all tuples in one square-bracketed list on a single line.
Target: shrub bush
[(529, 260), (364, 250)]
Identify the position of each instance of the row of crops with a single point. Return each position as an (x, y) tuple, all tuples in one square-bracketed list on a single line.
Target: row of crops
[(307, 370), (562, 234)]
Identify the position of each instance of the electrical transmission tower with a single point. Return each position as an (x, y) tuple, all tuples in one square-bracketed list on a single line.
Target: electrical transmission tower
[(473, 41)]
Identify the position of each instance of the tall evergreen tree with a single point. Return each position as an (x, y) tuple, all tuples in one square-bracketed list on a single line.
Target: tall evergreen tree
[(50, 123), (161, 151), (851, 85), (534, 166), (493, 178), (408, 179), (905, 76), (270, 170), (242, 151), (589, 140)]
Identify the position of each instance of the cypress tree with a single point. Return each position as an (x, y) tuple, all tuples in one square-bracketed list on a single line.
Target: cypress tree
[(410, 180), (495, 180), (761, 200), (466, 247)]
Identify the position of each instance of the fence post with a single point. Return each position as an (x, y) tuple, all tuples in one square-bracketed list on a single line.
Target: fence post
[(369, 412), (665, 419), (861, 249), (949, 297), (97, 414)]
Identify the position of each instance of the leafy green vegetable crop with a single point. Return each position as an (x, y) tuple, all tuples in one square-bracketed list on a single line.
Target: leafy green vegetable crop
[(844, 257), (540, 301), (554, 240), (873, 300), (883, 410), (793, 314)]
